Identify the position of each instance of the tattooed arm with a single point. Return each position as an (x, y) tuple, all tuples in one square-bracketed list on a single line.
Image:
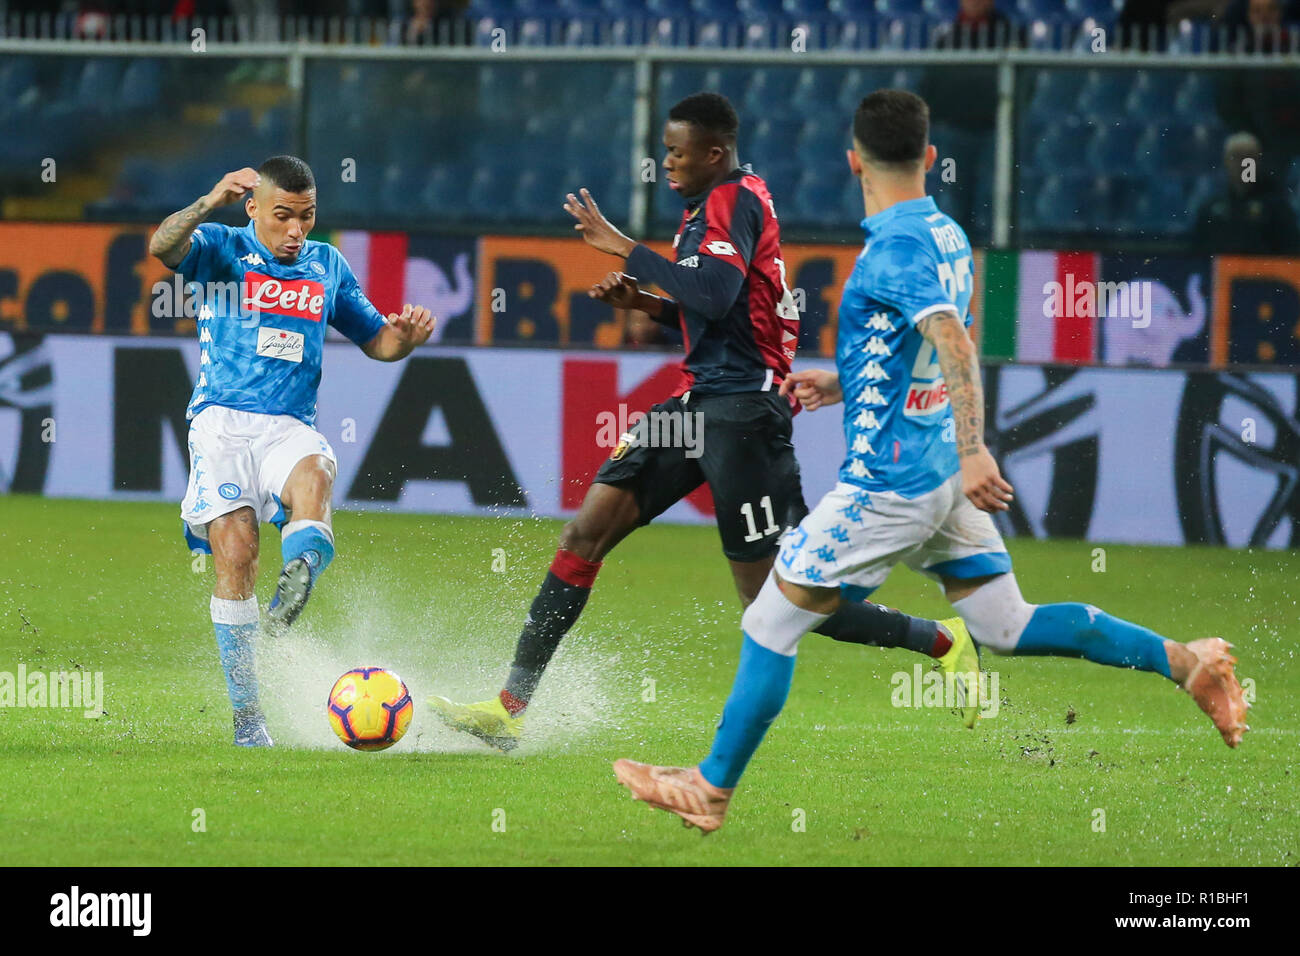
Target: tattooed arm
[(171, 240), (982, 483)]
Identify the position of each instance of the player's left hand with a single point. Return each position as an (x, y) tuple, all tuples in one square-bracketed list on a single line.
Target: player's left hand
[(983, 484), (598, 231), (414, 325)]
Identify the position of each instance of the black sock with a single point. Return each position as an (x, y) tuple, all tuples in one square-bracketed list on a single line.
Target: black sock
[(861, 622), (555, 609)]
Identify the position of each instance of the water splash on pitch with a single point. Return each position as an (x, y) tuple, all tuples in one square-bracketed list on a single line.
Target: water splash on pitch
[(445, 643)]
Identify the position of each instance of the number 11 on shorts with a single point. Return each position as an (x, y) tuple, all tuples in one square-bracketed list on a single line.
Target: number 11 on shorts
[(747, 511)]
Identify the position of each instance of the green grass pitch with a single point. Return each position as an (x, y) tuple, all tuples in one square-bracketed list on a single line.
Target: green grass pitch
[(844, 776)]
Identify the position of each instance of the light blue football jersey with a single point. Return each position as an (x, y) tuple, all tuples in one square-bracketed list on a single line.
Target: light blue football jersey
[(262, 324), (897, 419)]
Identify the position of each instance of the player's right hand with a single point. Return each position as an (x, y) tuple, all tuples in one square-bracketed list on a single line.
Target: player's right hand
[(233, 186), (618, 289), (813, 388), (983, 484)]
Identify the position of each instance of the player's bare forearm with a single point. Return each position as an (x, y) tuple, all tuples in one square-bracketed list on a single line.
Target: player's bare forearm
[(171, 240), (404, 331), (961, 373), (388, 346)]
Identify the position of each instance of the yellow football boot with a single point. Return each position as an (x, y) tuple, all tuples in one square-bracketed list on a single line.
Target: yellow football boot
[(488, 720), (961, 666)]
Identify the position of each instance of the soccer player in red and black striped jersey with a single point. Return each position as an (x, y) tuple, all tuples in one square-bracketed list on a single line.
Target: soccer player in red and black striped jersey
[(726, 423)]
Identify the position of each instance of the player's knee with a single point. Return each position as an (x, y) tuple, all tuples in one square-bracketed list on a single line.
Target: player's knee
[(316, 482), (579, 538), (996, 614)]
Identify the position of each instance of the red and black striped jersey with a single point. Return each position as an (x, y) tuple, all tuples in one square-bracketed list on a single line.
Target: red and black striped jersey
[(738, 318)]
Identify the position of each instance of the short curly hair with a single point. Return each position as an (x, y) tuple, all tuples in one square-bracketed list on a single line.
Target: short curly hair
[(710, 112)]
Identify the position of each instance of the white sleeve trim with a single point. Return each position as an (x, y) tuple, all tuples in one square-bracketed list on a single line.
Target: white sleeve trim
[(932, 309)]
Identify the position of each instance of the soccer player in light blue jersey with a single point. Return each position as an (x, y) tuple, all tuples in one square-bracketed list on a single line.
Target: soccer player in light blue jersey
[(917, 487), (266, 294)]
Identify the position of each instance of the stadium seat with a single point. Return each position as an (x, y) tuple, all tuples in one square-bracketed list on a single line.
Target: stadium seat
[(141, 85), (807, 8), (1106, 11), (859, 10), (1062, 205), (760, 9), (774, 139), (770, 94), (902, 32), (857, 83), (943, 11), (906, 78), (675, 82), (17, 76), (445, 194), (680, 9), (1047, 10), (824, 136), (781, 176), (731, 82), (1162, 208), (491, 197), (1105, 93), (1112, 148), (98, 82), (725, 10), (1056, 91), (817, 200), (898, 8), (540, 190), (1155, 92), (1198, 96), (1063, 146), (817, 90)]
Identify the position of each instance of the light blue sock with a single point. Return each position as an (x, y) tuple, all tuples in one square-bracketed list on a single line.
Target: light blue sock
[(757, 696), (310, 539), (1081, 630), (235, 624)]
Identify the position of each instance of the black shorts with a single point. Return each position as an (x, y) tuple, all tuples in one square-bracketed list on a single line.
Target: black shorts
[(740, 444)]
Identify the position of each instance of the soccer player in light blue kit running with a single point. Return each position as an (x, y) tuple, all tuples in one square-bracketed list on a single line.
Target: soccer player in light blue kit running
[(267, 293), (917, 486)]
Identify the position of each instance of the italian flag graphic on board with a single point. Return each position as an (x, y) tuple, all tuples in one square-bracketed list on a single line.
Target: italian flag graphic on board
[(1041, 306)]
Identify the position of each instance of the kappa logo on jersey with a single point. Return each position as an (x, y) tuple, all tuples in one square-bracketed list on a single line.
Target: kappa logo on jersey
[(253, 259), (299, 298), (866, 419), (875, 373), (871, 396), (721, 248), (879, 322), (876, 346), (926, 399), (280, 344), (862, 447)]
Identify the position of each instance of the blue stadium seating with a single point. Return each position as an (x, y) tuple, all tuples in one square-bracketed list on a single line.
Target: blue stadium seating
[(1105, 93), (1113, 146)]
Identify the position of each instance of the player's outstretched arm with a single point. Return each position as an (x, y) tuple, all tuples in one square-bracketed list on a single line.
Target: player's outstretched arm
[(171, 240), (402, 334), (982, 482), (813, 388)]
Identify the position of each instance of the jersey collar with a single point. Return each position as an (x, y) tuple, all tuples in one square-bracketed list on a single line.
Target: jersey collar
[(694, 202), (923, 206)]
